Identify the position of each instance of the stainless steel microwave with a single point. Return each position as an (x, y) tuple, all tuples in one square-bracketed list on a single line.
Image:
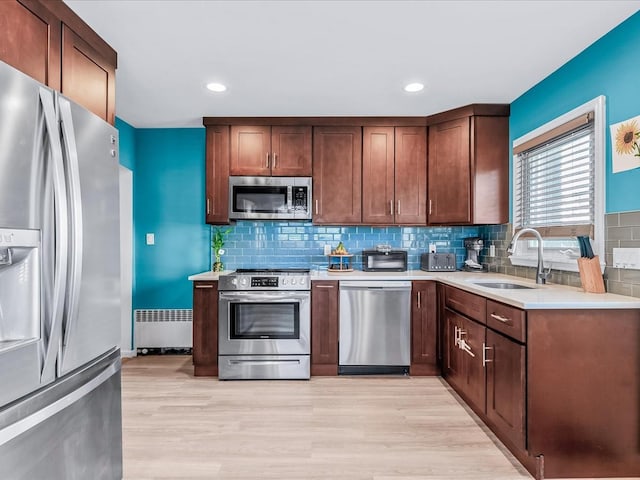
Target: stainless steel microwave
[(270, 198)]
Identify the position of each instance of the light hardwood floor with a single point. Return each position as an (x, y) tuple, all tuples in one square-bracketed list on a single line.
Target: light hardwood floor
[(176, 426)]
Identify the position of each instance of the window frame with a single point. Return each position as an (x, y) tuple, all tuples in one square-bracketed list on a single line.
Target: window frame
[(525, 253)]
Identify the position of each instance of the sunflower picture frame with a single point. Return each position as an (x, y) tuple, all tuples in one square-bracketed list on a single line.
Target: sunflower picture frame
[(625, 145)]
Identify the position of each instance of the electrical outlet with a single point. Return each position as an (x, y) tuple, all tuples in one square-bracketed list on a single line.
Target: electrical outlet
[(151, 239), (626, 258), (327, 249), (432, 248)]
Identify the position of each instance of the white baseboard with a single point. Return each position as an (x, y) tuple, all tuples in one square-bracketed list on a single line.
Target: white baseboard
[(128, 353)]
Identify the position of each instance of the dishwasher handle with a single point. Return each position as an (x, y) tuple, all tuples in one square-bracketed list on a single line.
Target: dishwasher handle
[(386, 285)]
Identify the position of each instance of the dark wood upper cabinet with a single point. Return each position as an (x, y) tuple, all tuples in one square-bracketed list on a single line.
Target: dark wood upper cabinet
[(205, 328), (337, 175), (291, 151), (378, 196), (394, 175), (217, 175), (324, 327), (277, 151), (424, 318), (49, 42), (87, 77), (411, 175), (468, 166), (30, 40)]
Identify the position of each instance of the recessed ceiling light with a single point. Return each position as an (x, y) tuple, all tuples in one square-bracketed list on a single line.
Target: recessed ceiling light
[(413, 87), (216, 87)]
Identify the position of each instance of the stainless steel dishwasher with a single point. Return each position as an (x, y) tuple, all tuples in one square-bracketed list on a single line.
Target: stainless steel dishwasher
[(375, 327)]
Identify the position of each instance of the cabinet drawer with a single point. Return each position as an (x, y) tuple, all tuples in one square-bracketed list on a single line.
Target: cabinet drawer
[(506, 319), (466, 303)]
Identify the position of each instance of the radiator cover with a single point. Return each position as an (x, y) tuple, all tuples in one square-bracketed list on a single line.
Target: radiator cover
[(163, 328)]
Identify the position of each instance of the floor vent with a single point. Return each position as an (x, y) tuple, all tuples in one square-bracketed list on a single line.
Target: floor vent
[(165, 328)]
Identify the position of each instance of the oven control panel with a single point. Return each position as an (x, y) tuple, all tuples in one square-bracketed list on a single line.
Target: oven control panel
[(242, 281), (264, 282)]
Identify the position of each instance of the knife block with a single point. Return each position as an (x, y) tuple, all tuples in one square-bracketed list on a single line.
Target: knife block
[(590, 275)]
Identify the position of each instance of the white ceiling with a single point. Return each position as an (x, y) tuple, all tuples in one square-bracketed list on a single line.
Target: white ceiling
[(325, 57)]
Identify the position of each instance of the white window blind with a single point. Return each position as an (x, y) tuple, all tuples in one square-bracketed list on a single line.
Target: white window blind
[(554, 181)]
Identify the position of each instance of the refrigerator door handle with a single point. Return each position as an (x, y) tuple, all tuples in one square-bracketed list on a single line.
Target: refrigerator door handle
[(52, 345), (75, 212)]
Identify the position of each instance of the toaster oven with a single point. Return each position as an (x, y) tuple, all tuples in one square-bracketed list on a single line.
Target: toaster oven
[(384, 261)]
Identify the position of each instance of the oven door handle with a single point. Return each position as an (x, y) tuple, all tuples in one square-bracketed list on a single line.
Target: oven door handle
[(264, 296)]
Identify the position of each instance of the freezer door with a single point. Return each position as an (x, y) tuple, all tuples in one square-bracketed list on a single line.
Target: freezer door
[(92, 322), (70, 430)]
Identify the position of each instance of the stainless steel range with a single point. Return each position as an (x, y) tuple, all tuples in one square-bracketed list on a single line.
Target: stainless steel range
[(264, 324)]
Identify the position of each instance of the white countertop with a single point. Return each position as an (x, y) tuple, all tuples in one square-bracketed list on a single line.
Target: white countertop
[(550, 296)]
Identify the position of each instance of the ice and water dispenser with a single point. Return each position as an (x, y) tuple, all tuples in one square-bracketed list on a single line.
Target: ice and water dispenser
[(20, 313)]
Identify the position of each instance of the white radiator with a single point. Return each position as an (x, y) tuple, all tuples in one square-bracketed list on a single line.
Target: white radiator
[(163, 328)]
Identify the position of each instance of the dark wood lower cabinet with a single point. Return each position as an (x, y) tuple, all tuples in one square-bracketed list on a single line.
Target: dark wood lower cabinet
[(424, 330), (473, 381), (583, 391), (205, 328), (505, 369), (324, 327)]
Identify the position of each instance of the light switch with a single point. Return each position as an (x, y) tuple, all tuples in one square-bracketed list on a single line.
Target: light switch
[(626, 258), (151, 239)]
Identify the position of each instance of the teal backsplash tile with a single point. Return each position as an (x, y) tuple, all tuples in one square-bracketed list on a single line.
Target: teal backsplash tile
[(293, 244)]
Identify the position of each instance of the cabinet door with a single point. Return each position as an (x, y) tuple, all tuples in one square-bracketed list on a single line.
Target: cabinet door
[(449, 174), (250, 150), (506, 386), (411, 175), (30, 40), (291, 151), (87, 77), (473, 384), (423, 328), (324, 328), (337, 175), (205, 328), (217, 172), (452, 355), (378, 200)]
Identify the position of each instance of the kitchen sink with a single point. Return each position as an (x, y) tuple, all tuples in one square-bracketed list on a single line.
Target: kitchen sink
[(504, 285)]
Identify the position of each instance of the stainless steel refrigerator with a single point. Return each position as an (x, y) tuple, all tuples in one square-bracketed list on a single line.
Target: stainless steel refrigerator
[(60, 402)]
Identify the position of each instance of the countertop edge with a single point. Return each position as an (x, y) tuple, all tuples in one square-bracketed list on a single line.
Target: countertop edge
[(540, 297)]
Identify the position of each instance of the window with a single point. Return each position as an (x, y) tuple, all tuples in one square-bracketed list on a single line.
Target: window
[(558, 187)]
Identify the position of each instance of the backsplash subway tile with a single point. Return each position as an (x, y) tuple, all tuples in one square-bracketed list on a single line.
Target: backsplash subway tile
[(295, 244)]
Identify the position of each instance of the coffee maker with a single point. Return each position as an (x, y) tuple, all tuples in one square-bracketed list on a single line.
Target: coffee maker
[(473, 245)]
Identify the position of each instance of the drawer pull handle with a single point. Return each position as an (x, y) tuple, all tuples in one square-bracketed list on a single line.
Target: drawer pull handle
[(500, 318), (204, 286), (419, 300), (323, 286)]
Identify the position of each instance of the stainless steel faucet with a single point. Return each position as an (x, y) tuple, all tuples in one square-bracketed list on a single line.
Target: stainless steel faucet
[(541, 276)]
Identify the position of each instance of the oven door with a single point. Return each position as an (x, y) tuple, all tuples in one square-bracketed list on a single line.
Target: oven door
[(264, 323)]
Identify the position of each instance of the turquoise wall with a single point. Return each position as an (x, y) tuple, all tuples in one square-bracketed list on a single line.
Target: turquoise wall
[(127, 144), (169, 195), (609, 67)]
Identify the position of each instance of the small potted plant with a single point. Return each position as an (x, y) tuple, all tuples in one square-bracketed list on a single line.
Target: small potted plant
[(217, 242)]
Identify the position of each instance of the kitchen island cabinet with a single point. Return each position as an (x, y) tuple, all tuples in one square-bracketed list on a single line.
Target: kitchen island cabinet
[(324, 327), (283, 151), (468, 166), (205, 328), (394, 175), (49, 42)]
